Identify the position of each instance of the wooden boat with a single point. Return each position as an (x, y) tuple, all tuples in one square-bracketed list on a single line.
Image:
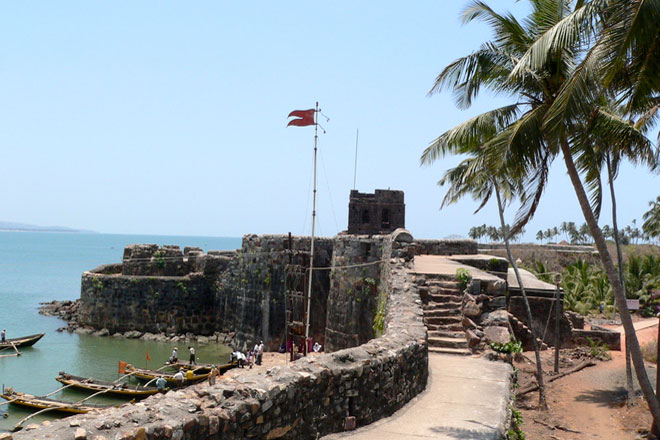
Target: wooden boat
[(202, 368), (145, 374), (25, 341), (35, 402), (96, 386)]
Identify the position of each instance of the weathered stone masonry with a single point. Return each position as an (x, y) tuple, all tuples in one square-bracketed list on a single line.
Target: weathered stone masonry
[(311, 396)]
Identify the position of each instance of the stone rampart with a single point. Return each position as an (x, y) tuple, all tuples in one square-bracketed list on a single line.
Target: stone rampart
[(354, 290), (147, 303), (251, 299), (312, 396)]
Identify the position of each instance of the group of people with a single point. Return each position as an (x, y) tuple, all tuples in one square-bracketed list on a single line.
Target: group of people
[(254, 356), (174, 358)]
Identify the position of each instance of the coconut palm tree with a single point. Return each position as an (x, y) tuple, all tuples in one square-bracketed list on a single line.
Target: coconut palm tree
[(620, 56), (651, 226), (551, 66)]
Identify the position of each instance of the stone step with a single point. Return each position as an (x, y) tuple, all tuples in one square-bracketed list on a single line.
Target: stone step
[(442, 311), (445, 291), (447, 342), (443, 320), (442, 333), (446, 283), (445, 299), (456, 351), (456, 327)]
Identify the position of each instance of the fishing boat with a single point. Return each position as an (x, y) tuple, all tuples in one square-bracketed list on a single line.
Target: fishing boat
[(202, 368), (25, 341), (145, 374), (35, 402), (98, 386)]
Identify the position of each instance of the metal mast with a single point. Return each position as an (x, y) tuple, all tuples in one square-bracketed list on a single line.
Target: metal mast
[(311, 258)]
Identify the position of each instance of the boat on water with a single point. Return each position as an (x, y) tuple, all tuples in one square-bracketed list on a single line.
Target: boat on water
[(24, 341), (98, 386), (202, 368), (146, 374), (36, 402)]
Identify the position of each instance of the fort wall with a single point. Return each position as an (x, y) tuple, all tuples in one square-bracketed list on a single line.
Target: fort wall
[(315, 395)]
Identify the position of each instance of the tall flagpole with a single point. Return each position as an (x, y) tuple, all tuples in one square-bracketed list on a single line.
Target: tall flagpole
[(311, 259)]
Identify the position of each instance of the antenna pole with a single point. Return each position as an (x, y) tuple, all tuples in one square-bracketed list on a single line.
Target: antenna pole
[(311, 259), (357, 133)]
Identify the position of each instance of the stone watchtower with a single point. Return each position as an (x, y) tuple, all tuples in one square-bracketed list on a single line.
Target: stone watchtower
[(378, 213)]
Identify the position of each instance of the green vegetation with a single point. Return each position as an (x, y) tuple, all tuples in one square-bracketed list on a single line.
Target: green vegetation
[(598, 350), (97, 284), (514, 433), (183, 287), (379, 316), (159, 256), (512, 346), (463, 276), (587, 289)]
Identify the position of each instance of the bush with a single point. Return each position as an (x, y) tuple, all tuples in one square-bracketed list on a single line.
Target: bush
[(463, 276), (650, 352)]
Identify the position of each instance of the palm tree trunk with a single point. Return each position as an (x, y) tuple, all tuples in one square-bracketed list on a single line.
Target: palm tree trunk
[(608, 265), (543, 403), (630, 387)]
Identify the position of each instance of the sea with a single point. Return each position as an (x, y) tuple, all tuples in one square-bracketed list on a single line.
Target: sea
[(38, 267)]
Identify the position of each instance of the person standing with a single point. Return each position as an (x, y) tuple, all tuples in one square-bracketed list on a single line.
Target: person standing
[(260, 352), (212, 375), (3, 335), (192, 355), (175, 356)]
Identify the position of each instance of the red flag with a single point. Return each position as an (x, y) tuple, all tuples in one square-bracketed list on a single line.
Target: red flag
[(148, 357), (306, 117), (122, 367)]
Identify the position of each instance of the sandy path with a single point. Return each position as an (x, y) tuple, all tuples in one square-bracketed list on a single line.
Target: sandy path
[(592, 401)]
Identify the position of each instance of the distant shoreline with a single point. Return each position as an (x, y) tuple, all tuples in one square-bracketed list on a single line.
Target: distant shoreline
[(64, 231)]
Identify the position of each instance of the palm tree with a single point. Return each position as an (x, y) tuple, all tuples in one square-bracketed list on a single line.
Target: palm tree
[(551, 67), (651, 225), (621, 59)]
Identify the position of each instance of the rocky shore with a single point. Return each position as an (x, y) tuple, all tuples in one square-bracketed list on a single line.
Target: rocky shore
[(68, 311)]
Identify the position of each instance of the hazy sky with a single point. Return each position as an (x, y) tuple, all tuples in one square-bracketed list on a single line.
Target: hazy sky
[(167, 117)]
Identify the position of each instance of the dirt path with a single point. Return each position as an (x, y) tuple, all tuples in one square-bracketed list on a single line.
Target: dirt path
[(591, 402)]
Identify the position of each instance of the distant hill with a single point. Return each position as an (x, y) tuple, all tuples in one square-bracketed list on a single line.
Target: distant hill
[(24, 227)]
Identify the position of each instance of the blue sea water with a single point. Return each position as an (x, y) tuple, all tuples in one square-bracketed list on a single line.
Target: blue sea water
[(38, 267)]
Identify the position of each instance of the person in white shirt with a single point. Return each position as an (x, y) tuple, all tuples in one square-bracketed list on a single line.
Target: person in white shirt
[(192, 355), (179, 377)]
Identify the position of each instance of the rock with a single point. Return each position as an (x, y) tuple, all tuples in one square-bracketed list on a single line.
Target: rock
[(472, 339), (497, 334), (496, 317), (74, 423), (84, 331), (202, 340), (5, 436), (31, 427), (102, 332), (496, 288), (133, 334), (471, 309), (140, 434), (468, 324), (80, 434), (481, 298), (148, 336)]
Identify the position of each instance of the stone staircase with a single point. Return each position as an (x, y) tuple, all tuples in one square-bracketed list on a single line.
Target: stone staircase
[(443, 319), (525, 334)]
